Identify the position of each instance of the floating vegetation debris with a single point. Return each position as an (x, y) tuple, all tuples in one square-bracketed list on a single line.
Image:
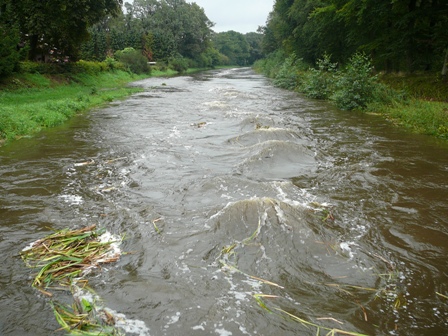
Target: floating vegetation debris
[(283, 313), (85, 163), (68, 254), (158, 230), (63, 258), (441, 295), (267, 282), (260, 126), (325, 211), (85, 316), (199, 125)]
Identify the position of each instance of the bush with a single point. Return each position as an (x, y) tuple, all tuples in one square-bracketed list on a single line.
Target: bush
[(179, 64), (271, 64), (113, 64), (320, 83), (29, 67), (91, 68), (133, 60), (287, 76), (41, 68), (356, 86)]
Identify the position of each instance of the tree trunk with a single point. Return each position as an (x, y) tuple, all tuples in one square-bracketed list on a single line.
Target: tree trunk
[(32, 53), (445, 64)]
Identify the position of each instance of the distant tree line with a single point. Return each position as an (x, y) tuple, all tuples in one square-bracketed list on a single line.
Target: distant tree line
[(398, 35), (160, 30)]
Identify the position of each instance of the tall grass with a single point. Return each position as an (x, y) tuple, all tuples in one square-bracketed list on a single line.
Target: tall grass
[(423, 117)]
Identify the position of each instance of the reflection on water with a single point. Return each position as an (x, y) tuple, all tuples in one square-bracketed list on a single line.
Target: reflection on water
[(247, 210)]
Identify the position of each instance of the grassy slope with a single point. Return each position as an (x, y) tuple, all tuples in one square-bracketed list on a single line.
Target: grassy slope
[(31, 102), (426, 111)]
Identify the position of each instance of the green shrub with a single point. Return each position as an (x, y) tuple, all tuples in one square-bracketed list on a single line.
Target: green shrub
[(29, 67), (356, 86), (179, 64), (271, 64), (113, 64), (320, 83), (133, 60), (287, 75), (91, 68)]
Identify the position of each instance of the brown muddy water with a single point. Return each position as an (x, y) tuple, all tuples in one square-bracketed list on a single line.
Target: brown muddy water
[(228, 189)]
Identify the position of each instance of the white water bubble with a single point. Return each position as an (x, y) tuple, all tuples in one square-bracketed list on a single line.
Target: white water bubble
[(72, 199)]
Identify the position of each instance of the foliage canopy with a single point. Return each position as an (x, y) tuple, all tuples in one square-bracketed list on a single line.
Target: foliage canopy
[(173, 32), (399, 35)]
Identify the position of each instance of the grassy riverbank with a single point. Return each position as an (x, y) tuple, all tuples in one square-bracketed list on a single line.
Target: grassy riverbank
[(418, 102), (424, 108), (32, 102)]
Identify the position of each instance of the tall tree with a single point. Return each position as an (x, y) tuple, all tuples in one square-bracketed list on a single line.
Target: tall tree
[(255, 49), (399, 35), (9, 39), (233, 45), (59, 24), (175, 26)]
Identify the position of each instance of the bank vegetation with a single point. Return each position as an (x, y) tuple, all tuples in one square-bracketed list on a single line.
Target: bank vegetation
[(380, 56), (418, 101)]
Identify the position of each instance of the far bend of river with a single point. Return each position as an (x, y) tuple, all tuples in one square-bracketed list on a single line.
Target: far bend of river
[(345, 214)]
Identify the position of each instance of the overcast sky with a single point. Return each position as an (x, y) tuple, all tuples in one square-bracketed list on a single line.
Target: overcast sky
[(243, 16)]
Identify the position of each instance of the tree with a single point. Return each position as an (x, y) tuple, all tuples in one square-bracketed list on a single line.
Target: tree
[(445, 64), (9, 39), (176, 27), (398, 35), (233, 45), (255, 49), (58, 24)]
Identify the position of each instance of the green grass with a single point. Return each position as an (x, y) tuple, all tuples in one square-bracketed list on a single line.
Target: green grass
[(32, 102), (420, 116)]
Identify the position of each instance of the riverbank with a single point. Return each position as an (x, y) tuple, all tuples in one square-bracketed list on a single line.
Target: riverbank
[(418, 102), (30, 102), (424, 107)]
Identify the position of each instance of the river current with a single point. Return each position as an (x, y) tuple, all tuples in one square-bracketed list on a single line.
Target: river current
[(245, 210)]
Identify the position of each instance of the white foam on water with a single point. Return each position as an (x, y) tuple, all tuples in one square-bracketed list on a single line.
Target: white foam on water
[(114, 247), (130, 326), (172, 320), (175, 133), (223, 332), (200, 326), (304, 196), (216, 104), (72, 199), (346, 249)]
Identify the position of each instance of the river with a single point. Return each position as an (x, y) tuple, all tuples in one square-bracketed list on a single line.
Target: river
[(245, 210)]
